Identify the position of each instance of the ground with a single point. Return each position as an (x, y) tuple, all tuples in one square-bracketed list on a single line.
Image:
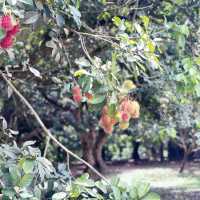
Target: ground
[(159, 175)]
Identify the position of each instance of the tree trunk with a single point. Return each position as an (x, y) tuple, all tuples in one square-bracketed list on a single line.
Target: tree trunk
[(135, 154), (92, 149), (101, 140), (161, 152), (184, 161), (88, 142), (175, 152), (153, 153)]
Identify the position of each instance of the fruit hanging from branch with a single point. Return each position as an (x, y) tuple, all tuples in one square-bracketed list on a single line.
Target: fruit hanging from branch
[(77, 94), (126, 110), (121, 112), (9, 27), (132, 108)]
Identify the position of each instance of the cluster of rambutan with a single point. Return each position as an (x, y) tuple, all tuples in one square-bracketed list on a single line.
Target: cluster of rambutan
[(78, 96), (127, 109), (106, 121), (10, 27)]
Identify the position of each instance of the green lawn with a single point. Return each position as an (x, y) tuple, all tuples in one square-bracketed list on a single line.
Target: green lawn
[(162, 176)]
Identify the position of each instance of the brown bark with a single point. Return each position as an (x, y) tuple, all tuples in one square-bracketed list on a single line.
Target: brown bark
[(88, 142), (101, 140), (161, 152), (92, 145), (187, 151), (186, 147), (184, 161), (135, 154)]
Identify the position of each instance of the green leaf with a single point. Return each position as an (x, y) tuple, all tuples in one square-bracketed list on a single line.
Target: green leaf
[(184, 29), (112, 109), (2, 34), (60, 20), (151, 46), (116, 193), (197, 90), (26, 180), (101, 186), (145, 21), (32, 18), (97, 99), (87, 84), (181, 41), (115, 180), (28, 166), (59, 196), (25, 194), (117, 21), (76, 15), (197, 60), (8, 192), (152, 196), (172, 133), (85, 181), (35, 72), (12, 2), (82, 62), (138, 28), (142, 189), (15, 175), (38, 192), (28, 2)]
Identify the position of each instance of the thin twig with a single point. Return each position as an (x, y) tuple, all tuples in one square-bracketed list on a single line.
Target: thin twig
[(87, 53), (85, 50), (100, 37), (68, 168), (136, 9), (46, 131), (46, 146)]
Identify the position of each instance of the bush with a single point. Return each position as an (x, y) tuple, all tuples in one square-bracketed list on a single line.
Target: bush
[(25, 174)]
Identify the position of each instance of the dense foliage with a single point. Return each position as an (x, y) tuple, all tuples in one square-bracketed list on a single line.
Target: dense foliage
[(25, 174)]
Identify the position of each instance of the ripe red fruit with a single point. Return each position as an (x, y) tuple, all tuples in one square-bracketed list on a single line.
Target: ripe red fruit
[(106, 120), (7, 42), (124, 105), (77, 95), (130, 107), (6, 23), (77, 98), (76, 90), (106, 123), (14, 31), (125, 116), (113, 121)]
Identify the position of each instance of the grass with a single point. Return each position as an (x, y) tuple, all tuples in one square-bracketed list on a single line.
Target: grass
[(165, 176)]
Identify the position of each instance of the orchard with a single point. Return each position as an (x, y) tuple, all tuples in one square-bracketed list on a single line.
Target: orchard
[(93, 89)]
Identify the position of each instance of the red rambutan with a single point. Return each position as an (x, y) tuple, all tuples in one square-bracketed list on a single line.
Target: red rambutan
[(14, 30), (6, 43), (6, 23)]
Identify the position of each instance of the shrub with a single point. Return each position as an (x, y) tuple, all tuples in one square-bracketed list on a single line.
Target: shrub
[(25, 174)]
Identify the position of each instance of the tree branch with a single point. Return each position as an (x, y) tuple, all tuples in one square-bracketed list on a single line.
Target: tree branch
[(46, 131), (69, 118)]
